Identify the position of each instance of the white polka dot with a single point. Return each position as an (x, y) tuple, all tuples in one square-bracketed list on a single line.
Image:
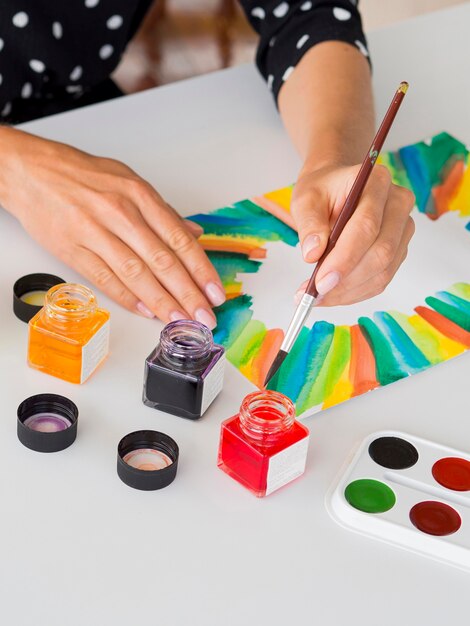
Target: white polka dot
[(302, 40), (272, 41), (76, 73), (341, 14), (361, 47), (106, 51), (1, 45), (1, 79), (91, 3), (287, 73), (57, 30), (27, 90), (281, 9), (258, 12), (74, 89), (20, 20), (6, 110), (114, 22), (270, 81), (37, 66), (306, 6)]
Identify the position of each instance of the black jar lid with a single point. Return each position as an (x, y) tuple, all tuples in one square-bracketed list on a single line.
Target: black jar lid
[(136, 454), (26, 284), (47, 422)]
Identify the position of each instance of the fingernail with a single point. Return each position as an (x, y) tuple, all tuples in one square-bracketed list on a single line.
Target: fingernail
[(177, 315), (309, 244), (205, 317), (327, 283), (194, 228), (144, 310), (215, 293)]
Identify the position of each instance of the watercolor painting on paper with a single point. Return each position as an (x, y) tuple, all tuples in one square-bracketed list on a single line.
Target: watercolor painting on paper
[(422, 318)]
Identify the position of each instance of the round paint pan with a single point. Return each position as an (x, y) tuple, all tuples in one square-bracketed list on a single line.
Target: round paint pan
[(147, 460), (47, 422), (29, 293)]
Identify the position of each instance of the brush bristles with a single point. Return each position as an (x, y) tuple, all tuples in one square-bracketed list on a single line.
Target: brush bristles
[(278, 361)]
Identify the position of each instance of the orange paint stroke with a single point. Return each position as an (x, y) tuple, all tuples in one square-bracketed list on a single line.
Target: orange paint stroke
[(444, 193), (444, 325), (276, 210), (266, 355), (362, 367), (237, 246)]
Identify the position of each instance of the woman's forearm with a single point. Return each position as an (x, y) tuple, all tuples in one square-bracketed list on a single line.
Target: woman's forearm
[(327, 108), (327, 105)]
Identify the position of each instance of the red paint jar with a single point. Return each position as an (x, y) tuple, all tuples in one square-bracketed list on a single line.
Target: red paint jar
[(263, 447)]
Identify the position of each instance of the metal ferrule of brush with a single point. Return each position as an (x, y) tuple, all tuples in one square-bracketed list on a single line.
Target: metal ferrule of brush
[(300, 316)]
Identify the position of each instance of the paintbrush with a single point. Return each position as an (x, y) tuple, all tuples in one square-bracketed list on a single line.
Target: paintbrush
[(311, 294)]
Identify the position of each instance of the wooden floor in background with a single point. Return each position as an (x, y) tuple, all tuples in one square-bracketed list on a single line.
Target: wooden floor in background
[(183, 38)]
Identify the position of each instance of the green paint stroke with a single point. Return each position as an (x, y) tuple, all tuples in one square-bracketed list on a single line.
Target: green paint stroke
[(324, 369), (425, 341), (393, 161), (388, 368), (287, 379), (232, 317), (230, 264), (450, 298), (247, 345), (457, 316), (246, 219), (462, 290)]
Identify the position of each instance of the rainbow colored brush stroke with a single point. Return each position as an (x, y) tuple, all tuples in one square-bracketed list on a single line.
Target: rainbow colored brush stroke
[(437, 171), (329, 364)]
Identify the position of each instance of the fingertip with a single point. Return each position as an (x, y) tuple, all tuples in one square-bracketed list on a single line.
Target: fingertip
[(206, 317), (195, 228), (311, 248), (144, 311), (215, 293)]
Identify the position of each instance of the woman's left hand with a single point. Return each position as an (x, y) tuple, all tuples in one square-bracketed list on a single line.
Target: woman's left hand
[(373, 244)]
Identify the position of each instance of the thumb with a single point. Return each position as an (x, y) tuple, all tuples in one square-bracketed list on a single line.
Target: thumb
[(312, 217)]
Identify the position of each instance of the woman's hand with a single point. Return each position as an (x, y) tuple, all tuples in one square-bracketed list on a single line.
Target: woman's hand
[(102, 219), (374, 242)]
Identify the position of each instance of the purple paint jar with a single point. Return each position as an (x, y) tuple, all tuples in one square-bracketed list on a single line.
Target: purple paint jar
[(185, 372)]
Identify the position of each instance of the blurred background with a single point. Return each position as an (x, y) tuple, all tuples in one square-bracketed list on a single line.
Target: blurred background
[(183, 38)]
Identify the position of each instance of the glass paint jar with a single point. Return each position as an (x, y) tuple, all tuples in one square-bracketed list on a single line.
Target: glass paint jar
[(185, 372), (263, 447), (69, 336)]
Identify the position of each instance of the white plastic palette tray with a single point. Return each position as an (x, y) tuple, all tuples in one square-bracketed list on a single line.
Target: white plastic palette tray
[(427, 505)]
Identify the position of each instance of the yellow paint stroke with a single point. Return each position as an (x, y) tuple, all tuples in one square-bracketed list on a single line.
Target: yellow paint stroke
[(461, 200), (343, 390), (445, 346), (282, 197)]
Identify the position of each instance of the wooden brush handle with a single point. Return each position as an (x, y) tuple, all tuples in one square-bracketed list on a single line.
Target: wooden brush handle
[(362, 177)]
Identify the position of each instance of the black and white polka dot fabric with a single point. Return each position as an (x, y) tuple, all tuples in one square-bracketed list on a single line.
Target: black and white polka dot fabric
[(59, 54), (288, 29), (55, 52)]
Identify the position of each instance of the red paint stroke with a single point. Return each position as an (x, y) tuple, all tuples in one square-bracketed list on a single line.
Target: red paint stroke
[(267, 353), (444, 193), (362, 372), (444, 325)]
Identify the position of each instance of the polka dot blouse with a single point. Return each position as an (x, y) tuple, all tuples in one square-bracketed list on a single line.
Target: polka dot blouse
[(53, 55)]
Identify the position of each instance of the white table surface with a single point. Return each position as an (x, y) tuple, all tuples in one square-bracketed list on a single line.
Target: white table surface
[(79, 547)]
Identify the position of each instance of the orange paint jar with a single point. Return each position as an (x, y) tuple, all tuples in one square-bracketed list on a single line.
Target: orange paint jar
[(69, 336)]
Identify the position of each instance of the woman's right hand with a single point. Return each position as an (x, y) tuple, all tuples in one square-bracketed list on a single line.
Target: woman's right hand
[(102, 219)]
